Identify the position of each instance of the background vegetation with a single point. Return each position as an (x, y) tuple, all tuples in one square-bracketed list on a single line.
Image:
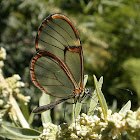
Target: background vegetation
[(109, 31)]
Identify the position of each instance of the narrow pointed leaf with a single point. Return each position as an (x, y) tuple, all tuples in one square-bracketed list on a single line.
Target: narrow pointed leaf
[(85, 80), (78, 109), (94, 100), (22, 132), (100, 83), (25, 110), (31, 118), (78, 105), (93, 103), (126, 107), (12, 136), (100, 97), (44, 100)]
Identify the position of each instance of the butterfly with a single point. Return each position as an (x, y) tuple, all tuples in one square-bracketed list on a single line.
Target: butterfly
[(57, 68)]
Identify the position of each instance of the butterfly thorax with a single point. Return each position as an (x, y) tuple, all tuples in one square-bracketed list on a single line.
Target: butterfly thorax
[(81, 95)]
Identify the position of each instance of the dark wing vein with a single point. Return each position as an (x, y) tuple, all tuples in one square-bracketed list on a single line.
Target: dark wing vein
[(54, 75), (50, 44), (64, 30), (46, 77), (59, 34), (58, 86), (44, 68), (53, 38)]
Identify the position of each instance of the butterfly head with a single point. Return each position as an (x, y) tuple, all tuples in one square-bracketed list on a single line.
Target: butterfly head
[(87, 90), (81, 96)]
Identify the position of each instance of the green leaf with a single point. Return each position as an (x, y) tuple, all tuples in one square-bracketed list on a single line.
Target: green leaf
[(77, 110), (93, 103), (125, 108), (100, 96), (31, 118), (100, 83), (78, 105), (44, 100), (12, 136), (85, 80), (25, 109), (22, 132), (94, 100)]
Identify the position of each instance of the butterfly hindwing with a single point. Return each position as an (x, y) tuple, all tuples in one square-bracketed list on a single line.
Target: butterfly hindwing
[(48, 74)]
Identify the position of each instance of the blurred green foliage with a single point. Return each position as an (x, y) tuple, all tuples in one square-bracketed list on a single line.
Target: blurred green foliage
[(109, 31)]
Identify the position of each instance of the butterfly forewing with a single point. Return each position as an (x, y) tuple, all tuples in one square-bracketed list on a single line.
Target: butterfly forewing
[(58, 37)]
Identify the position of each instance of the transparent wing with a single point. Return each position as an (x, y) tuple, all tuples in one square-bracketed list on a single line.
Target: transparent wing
[(58, 36)]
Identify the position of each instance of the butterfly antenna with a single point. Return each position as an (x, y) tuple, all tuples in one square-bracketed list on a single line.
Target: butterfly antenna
[(94, 98), (126, 89), (91, 96)]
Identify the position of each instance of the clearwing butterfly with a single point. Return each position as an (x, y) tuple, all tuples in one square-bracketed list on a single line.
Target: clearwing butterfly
[(57, 68)]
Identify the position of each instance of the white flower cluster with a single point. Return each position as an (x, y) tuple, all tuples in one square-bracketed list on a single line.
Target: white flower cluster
[(2, 53), (86, 126), (95, 127), (2, 57), (133, 121), (49, 131), (13, 85)]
